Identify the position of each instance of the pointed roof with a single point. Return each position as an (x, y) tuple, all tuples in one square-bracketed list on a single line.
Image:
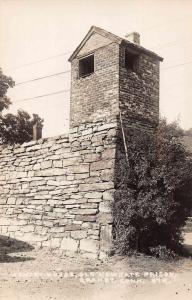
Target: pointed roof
[(114, 38)]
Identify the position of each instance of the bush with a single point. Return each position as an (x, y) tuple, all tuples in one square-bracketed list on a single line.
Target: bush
[(163, 253), (153, 192)]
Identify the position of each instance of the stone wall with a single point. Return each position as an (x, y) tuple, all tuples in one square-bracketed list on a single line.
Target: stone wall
[(56, 192)]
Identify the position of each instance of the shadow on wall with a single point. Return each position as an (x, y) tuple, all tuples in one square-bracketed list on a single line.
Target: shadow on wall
[(9, 245)]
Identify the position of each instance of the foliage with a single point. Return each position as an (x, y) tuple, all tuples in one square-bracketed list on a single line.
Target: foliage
[(163, 252), (14, 128), (17, 129), (153, 191), (188, 132), (5, 83)]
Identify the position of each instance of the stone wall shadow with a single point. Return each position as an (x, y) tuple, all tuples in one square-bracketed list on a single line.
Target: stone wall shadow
[(10, 245)]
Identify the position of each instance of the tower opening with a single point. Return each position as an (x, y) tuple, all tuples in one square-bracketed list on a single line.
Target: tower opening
[(86, 66), (131, 60)]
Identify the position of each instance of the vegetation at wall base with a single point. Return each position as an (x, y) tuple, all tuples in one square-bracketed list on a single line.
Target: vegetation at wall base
[(153, 192)]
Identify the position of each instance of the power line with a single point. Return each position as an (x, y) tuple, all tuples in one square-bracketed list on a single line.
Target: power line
[(62, 54), (39, 61), (65, 91), (68, 71), (43, 77), (40, 96), (168, 44), (175, 66)]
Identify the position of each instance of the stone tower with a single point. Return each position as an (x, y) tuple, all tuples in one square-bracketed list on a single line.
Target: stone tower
[(110, 75), (114, 87)]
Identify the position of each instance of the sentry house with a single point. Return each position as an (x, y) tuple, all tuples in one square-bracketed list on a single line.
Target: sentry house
[(57, 192)]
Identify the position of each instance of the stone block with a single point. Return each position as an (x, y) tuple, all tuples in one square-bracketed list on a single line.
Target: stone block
[(106, 238), (13, 228), (105, 206), (55, 243), (33, 238), (90, 255), (107, 126), (21, 174), (108, 195), (81, 176), (107, 175), (82, 168), (86, 218), (11, 200), (108, 154), (101, 165), (91, 157), (99, 149), (89, 205), (87, 131), (3, 200), (28, 228), (70, 201), (85, 211), (105, 218), (73, 161), (94, 200), (94, 195), (57, 163), (72, 227), (37, 167), (53, 182), (93, 232), (88, 245), (46, 164), (100, 186), (80, 234), (69, 244)]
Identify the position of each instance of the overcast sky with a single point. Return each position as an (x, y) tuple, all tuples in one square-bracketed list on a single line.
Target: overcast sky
[(37, 37)]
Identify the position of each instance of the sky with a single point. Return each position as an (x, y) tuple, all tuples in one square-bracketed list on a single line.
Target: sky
[(38, 36)]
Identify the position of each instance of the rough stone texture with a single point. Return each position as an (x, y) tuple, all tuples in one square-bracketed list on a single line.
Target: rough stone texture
[(57, 192), (51, 191), (139, 92), (96, 96)]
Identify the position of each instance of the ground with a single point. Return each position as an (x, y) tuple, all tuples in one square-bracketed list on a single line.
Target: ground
[(39, 274)]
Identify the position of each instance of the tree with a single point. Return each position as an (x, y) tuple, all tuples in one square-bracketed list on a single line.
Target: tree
[(5, 83), (188, 132), (14, 128), (153, 192)]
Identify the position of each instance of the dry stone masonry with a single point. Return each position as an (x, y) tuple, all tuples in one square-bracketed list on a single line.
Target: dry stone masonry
[(57, 192)]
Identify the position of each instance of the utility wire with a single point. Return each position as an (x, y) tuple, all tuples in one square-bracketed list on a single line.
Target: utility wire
[(159, 46), (178, 65), (39, 61), (65, 91), (65, 53), (40, 96), (43, 77), (68, 71)]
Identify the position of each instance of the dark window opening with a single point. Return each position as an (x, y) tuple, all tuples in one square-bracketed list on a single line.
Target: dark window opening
[(86, 66), (131, 61)]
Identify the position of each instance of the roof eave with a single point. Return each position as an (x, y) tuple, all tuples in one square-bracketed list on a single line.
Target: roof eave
[(114, 38), (100, 31), (141, 49)]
